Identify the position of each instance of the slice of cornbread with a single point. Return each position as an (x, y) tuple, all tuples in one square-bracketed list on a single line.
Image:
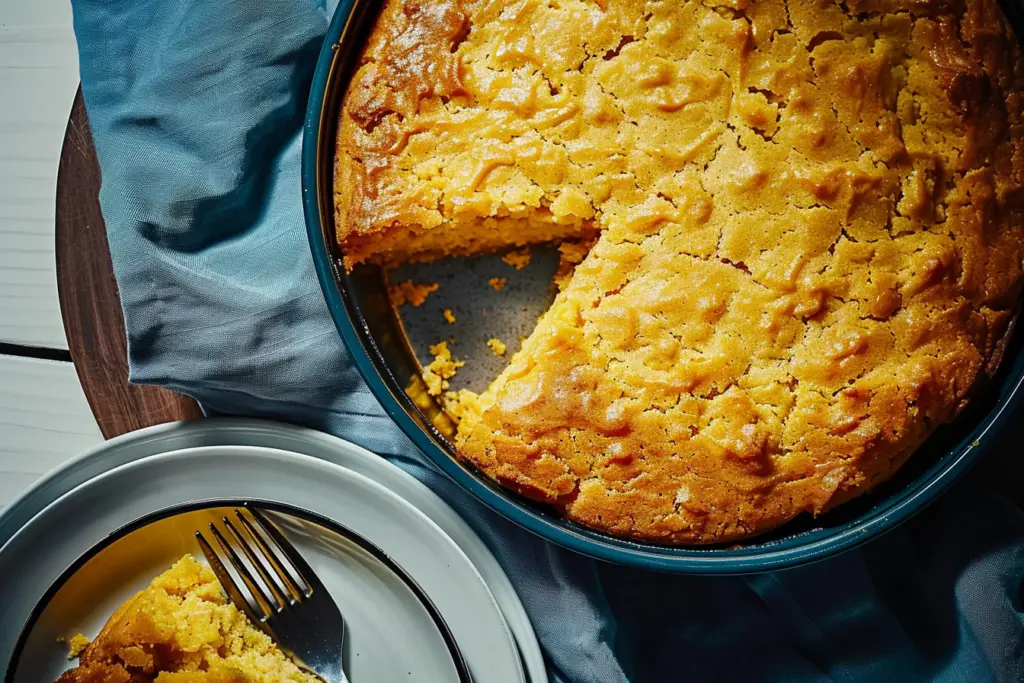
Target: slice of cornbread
[(810, 220), (182, 629)]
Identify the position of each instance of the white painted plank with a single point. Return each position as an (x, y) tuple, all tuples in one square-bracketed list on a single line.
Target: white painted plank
[(38, 79), (44, 420)]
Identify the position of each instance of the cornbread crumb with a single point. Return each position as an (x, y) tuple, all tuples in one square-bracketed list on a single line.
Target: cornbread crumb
[(77, 643), (497, 283), (441, 369), (497, 346), (411, 293), (456, 403), (571, 253), (449, 316), (182, 629), (417, 390), (518, 258)]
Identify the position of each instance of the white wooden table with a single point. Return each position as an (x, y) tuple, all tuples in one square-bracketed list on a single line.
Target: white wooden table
[(44, 417)]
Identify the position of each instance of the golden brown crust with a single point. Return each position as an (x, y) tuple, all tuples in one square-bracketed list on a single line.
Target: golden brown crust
[(811, 236), (410, 57)]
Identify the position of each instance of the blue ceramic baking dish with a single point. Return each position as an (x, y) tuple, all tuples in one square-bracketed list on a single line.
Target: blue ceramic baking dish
[(375, 337)]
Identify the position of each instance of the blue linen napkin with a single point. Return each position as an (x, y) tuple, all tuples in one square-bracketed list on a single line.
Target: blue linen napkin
[(196, 108)]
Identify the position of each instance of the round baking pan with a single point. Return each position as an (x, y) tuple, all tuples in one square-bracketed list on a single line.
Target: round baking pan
[(387, 356)]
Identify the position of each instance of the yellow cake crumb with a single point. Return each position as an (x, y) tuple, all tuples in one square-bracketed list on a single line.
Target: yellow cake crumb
[(442, 369), (457, 403), (449, 316), (571, 253), (182, 629), (497, 283), (77, 643), (411, 293), (518, 258), (417, 390), (497, 346)]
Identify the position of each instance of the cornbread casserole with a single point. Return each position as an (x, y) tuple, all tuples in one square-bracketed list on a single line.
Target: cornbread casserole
[(181, 629), (809, 235)]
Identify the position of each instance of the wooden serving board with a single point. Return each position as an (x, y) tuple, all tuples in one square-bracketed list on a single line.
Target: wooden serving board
[(89, 302)]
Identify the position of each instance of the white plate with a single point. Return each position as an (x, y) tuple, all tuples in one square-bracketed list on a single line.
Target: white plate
[(247, 432), (74, 523), (381, 608)]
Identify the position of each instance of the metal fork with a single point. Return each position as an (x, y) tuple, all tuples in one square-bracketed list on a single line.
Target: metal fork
[(288, 602)]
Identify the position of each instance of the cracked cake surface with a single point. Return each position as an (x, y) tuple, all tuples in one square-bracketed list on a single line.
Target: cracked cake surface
[(808, 221)]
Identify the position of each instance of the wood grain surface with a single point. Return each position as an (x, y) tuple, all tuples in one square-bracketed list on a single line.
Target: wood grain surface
[(89, 301)]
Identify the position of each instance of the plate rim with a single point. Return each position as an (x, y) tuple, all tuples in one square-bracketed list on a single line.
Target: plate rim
[(457, 658)]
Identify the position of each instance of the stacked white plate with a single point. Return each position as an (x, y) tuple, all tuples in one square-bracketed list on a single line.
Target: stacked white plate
[(72, 548)]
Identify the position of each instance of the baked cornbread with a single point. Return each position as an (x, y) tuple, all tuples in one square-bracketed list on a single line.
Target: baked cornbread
[(181, 629), (809, 249)]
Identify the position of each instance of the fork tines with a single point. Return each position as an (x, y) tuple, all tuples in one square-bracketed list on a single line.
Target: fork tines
[(272, 572)]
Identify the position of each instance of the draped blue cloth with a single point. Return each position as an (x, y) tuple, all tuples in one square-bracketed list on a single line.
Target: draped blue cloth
[(196, 108)]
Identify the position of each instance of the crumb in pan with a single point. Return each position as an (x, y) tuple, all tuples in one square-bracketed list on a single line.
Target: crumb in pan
[(518, 258), (497, 346), (410, 293), (438, 373)]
